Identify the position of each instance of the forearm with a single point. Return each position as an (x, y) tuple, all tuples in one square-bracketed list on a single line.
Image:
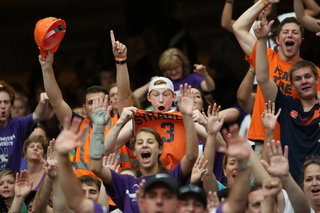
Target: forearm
[(296, 195), (238, 195), (267, 140), (313, 8), (40, 112), (123, 83), (111, 138), (209, 84), (141, 92), (42, 197), (268, 204), (191, 137), (69, 183), (210, 180), (232, 114), (226, 17), (58, 200), (16, 204), (257, 169), (307, 21), (244, 92), (262, 71)]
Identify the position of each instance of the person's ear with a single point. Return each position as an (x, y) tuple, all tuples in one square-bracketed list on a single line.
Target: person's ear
[(84, 109)]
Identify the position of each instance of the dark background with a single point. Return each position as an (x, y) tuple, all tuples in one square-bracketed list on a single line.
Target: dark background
[(89, 21)]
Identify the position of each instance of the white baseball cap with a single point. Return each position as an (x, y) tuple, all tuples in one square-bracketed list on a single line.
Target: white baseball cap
[(168, 85)]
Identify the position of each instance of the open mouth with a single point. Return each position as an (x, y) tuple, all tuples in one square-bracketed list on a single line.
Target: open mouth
[(3, 113), (234, 175), (289, 44), (315, 190), (161, 108), (145, 155)]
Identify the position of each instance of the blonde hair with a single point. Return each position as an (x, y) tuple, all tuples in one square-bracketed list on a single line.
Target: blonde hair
[(173, 55)]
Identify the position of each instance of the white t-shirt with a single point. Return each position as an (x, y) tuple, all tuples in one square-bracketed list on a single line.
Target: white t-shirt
[(288, 206)]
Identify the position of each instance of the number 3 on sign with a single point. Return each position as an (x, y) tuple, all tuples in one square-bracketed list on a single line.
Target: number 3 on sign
[(168, 131)]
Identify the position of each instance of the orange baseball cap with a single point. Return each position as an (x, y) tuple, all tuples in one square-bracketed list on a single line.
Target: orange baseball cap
[(48, 34)]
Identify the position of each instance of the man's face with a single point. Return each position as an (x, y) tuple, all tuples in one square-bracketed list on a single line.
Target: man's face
[(19, 109), (290, 41), (5, 106), (160, 199), (91, 192), (161, 99), (255, 200), (89, 102), (305, 83), (191, 203)]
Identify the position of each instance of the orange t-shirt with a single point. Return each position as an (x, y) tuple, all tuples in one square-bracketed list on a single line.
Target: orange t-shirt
[(170, 127), (279, 72)]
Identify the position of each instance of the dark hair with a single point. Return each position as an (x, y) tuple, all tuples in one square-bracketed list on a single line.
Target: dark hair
[(162, 169), (303, 64), (3, 206), (205, 101), (8, 89), (95, 89), (290, 20), (90, 181), (314, 159), (254, 187)]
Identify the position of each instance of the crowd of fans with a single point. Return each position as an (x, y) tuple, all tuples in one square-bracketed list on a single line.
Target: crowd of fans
[(104, 151)]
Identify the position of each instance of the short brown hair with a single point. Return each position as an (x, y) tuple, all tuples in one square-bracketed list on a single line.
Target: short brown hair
[(90, 181), (173, 55), (289, 20), (303, 64), (8, 172), (8, 89), (39, 139)]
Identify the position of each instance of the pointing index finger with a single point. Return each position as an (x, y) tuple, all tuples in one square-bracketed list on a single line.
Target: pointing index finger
[(113, 40)]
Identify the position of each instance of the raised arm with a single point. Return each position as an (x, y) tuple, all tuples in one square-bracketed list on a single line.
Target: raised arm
[(186, 103), (306, 20), (123, 80), (312, 8), (21, 190), (238, 148), (270, 188), (41, 110), (268, 87), (141, 92), (60, 107), (71, 186), (226, 17), (279, 167), (214, 126), (245, 96), (207, 84)]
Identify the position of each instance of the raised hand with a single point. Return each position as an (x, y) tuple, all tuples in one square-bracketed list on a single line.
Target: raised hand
[(111, 163), (213, 201), (44, 98), (238, 147), (127, 114), (200, 69), (200, 117), (50, 166), (119, 50), (140, 196), (100, 108), (214, 124), (22, 186), (268, 118), (67, 140), (185, 101), (261, 28), (199, 169), (46, 61), (271, 187), (279, 164)]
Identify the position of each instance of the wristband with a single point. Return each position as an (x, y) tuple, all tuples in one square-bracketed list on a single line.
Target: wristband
[(121, 60), (252, 70), (244, 166), (265, 4)]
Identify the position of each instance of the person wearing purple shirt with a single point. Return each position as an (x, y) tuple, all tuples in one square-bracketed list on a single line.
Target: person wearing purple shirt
[(147, 145), (13, 132)]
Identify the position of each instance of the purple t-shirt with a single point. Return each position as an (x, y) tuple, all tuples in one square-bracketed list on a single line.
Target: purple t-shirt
[(11, 141), (192, 79), (218, 210), (100, 209), (123, 192)]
